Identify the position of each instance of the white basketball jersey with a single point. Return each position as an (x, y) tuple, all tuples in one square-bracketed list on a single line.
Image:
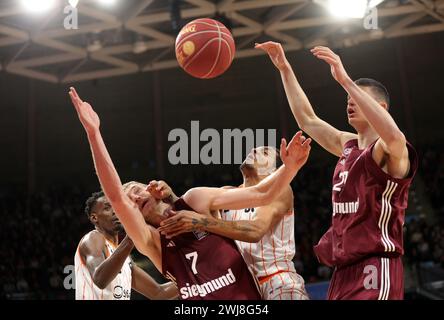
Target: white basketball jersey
[(118, 289), (274, 252)]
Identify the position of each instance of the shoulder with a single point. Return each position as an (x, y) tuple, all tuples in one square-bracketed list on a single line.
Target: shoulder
[(201, 195), (283, 203), (92, 242), (347, 138), (231, 187), (400, 170)]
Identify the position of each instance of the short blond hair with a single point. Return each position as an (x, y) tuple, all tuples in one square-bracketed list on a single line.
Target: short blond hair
[(128, 185)]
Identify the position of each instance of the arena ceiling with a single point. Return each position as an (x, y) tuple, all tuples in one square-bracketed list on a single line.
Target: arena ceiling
[(138, 35)]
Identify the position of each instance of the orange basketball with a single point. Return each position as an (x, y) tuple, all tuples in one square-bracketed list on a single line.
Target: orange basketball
[(205, 48)]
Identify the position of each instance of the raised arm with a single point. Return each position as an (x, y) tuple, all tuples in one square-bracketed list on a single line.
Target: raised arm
[(127, 212), (294, 156), (330, 138), (392, 141), (242, 230)]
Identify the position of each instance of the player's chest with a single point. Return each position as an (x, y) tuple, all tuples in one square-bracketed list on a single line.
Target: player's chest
[(349, 175)]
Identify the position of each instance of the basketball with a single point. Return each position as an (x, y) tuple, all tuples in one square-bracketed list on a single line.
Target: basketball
[(205, 48)]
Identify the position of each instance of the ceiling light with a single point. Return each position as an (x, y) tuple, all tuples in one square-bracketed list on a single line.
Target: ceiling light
[(107, 2), (38, 6), (349, 8)]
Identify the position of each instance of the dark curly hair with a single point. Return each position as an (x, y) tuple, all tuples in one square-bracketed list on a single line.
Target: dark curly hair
[(91, 202)]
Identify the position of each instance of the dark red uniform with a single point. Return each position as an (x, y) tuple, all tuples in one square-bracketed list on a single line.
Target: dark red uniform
[(365, 241), (206, 266)]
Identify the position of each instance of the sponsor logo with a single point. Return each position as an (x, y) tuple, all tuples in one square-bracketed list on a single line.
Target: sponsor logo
[(345, 207), (200, 234), (188, 29), (206, 288)]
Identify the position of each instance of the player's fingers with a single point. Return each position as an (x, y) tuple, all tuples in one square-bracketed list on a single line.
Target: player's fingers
[(170, 213), (283, 143), (74, 102), (327, 55), (295, 139), (283, 149), (76, 94), (175, 234), (306, 144), (171, 229), (322, 49), (264, 44), (168, 229), (327, 59), (325, 52), (171, 220)]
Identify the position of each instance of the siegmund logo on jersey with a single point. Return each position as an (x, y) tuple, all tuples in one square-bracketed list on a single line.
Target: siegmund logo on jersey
[(345, 207), (207, 287)]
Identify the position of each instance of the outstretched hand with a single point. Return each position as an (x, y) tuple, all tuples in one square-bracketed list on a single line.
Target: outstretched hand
[(337, 68), (275, 52), (88, 117), (295, 154)]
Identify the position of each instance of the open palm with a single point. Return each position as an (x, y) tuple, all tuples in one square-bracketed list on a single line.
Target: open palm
[(275, 52), (295, 154), (88, 117), (336, 67)]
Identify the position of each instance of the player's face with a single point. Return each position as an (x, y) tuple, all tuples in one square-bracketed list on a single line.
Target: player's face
[(152, 209), (105, 216), (262, 159), (355, 116)]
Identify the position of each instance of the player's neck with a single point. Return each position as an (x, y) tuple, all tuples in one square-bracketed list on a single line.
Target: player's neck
[(366, 136), (252, 178), (111, 237)]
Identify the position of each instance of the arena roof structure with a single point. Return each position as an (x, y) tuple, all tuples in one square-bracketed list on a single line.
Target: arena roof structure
[(139, 35)]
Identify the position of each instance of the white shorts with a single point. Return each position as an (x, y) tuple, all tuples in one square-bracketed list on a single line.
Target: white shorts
[(284, 286)]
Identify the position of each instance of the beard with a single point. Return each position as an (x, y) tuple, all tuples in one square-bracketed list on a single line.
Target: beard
[(247, 166), (118, 228)]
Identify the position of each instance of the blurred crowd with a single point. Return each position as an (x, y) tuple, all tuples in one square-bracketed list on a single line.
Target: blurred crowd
[(39, 234), (38, 238)]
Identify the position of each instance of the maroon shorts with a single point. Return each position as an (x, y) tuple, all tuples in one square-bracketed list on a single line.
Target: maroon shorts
[(375, 278)]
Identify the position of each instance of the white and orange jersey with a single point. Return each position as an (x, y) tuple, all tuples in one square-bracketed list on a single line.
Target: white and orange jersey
[(274, 252), (118, 289)]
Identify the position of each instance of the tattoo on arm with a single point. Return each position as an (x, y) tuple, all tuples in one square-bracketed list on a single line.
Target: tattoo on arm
[(227, 225)]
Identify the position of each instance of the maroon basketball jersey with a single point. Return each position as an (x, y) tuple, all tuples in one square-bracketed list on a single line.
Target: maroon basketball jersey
[(206, 266), (368, 209)]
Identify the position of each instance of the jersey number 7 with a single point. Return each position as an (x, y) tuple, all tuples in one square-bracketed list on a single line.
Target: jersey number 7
[(193, 257)]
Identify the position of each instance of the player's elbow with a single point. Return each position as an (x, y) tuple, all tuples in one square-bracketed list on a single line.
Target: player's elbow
[(255, 233), (396, 141), (254, 237), (262, 195), (307, 122)]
